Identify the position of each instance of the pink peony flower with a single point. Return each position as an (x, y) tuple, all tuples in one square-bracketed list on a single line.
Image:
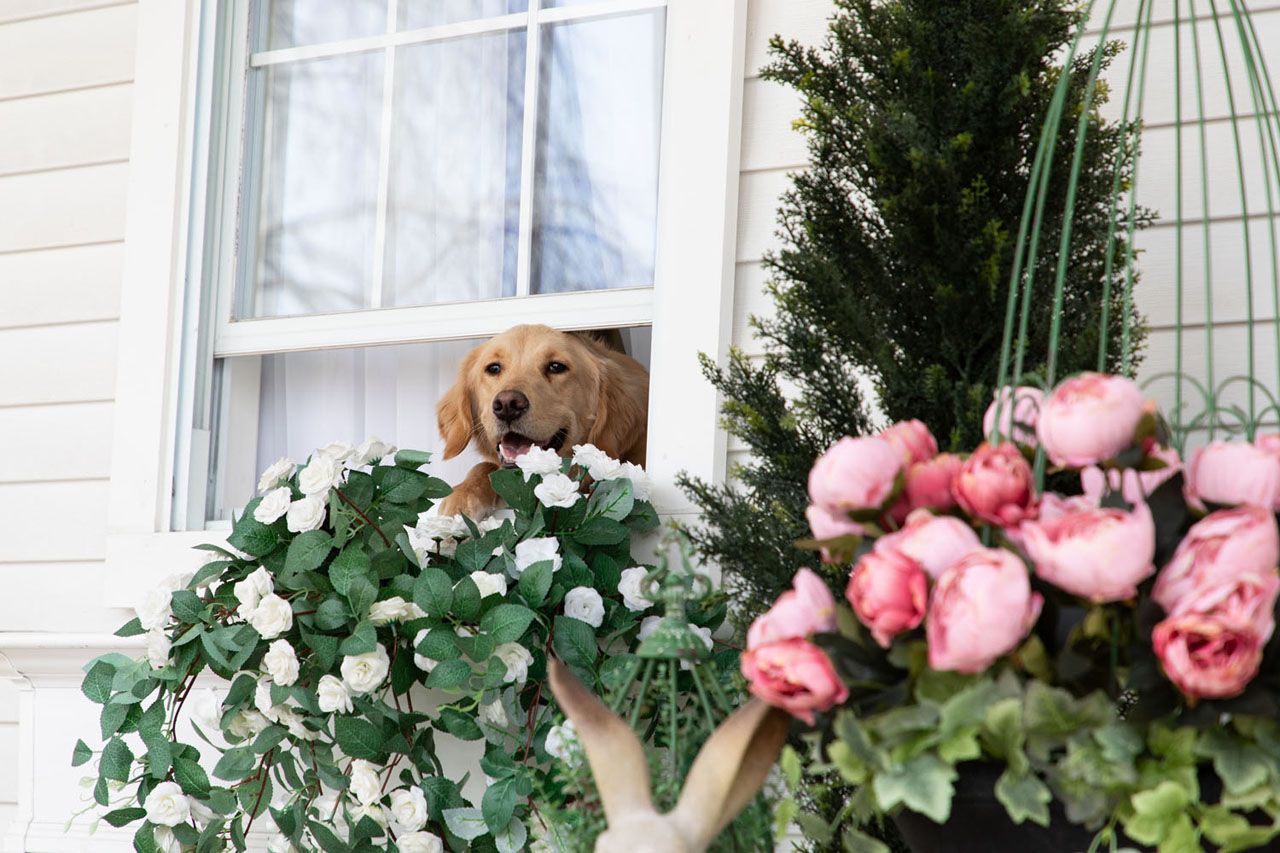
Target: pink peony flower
[(1221, 548), (1233, 473), (855, 474), (806, 609), (912, 440), (1098, 554), (935, 542), (995, 485), (794, 675), (1249, 600), (928, 484), (1019, 411), (1137, 485), (1089, 418), (825, 524), (982, 607), (889, 593), (1207, 657)]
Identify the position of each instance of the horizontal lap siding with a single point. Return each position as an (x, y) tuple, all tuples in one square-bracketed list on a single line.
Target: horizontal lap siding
[(66, 68)]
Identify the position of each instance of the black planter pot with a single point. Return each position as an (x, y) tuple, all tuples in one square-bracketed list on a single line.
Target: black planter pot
[(979, 823)]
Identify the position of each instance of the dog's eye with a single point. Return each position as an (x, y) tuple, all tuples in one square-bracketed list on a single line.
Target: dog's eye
[(493, 369), (557, 367)]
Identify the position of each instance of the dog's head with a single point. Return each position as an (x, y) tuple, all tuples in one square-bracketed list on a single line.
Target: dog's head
[(535, 386)]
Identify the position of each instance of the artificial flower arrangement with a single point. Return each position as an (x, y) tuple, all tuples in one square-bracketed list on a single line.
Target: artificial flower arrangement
[(1103, 646), (336, 601)]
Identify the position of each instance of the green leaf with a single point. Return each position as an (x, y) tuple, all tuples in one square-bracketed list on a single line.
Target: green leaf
[(574, 642), (856, 841), (440, 644), (81, 753), (535, 581), (1154, 812), (358, 738), (498, 804), (113, 717), (253, 537), (401, 485), (466, 600), (187, 606), (191, 776), (412, 459), (350, 563), (363, 640), (121, 817), (97, 682), (360, 595), (460, 725), (449, 674), (117, 760), (433, 592), (331, 614), (132, 628), (925, 784), (1024, 797), (600, 531), (612, 499), (144, 840), (1241, 766), (512, 838), (307, 551), (235, 764), (510, 485), (506, 623), (467, 823)]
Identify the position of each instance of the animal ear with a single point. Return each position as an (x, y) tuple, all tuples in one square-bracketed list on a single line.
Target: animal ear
[(729, 771), (456, 411), (614, 752), (621, 407)]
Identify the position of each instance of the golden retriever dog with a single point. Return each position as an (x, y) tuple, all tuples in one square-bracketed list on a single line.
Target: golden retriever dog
[(534, 386)]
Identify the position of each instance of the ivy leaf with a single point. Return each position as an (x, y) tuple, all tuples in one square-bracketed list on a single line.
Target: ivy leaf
[(499, 804), (1154, 812), (1024, 796), (358, 738), (307, 552), (433, 592), (856, 841), (468, 824), (1242, 767), (535, 582), (506, 623), (925, 784), (574, 641)]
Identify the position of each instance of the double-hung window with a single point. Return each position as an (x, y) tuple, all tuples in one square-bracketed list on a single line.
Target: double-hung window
[(382, 183)]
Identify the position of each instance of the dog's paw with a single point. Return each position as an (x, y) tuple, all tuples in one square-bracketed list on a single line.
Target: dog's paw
[(466, 502)]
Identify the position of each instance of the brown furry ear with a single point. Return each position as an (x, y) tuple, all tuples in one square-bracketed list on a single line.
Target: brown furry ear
[(456, 412), (621, 409)]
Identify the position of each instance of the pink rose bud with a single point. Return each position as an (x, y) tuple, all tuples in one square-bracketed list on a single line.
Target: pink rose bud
[(1206, 656), (794, 675), (1132, 484), (982, 608), (912, 440), (855, 474), (935, 542), (1089, 419), (806, 609), (995, 485), (1221, 548), (1018, 410), (826, 525), (1098, 554), (889, 593), (1231, 473), (928, 484)]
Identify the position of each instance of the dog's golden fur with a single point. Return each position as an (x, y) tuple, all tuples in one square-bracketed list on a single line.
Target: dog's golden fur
[(601, 397)]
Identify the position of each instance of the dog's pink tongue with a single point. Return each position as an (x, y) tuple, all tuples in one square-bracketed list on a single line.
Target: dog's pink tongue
[(514, 446)]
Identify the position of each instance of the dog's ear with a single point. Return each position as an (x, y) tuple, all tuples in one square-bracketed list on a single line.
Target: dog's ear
[(456, 412), (621, 407)]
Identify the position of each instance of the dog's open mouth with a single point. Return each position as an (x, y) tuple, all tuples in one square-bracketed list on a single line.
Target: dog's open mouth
[(514, 445)]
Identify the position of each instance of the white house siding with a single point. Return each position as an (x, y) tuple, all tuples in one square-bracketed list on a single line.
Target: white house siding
[(65, 71)]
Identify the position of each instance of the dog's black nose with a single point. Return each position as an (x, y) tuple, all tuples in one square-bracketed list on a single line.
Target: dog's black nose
[(509, 405)]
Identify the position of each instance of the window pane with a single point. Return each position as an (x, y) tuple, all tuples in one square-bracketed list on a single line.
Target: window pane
[(296, 22), (415, 14), (313, 232), (454, 197), (596, 186), (289, 404)]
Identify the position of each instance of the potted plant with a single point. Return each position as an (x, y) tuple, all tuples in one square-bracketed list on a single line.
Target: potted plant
[(1086, 664)]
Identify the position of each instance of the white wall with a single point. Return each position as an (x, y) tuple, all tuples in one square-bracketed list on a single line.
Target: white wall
[(65, 72)]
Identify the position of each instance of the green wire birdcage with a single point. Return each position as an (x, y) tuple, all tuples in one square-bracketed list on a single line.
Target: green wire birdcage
[(1199, 229)]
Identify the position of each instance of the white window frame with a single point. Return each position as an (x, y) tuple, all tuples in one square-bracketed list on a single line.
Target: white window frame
[(689, 307)]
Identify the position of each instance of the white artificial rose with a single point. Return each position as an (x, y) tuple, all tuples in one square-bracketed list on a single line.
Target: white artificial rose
[(327, 808), (206, 710), (538, 460), (363, 673), (321, 474), (494, 714), (557, 490), (641, 486), (272, 617), (281, 663), (584, 604), (394, 609), (305, 514), (372, 448), (333, 695), (600, 465), (532, 551), (419, 842), (166, 805), (278, 472), (157, 605), (365, 785), (489, 583), (647, 626), (516, 659), (166, 841), (263, 702), (158, 647), (409, 808), (373, 811), (201, 813), (562, 742), (273, 505), (279, 843), (442, 526), (338, 451), (703, 634), (249, 592), (248, 723), (631, 587), (292, 721), (422, 662)]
